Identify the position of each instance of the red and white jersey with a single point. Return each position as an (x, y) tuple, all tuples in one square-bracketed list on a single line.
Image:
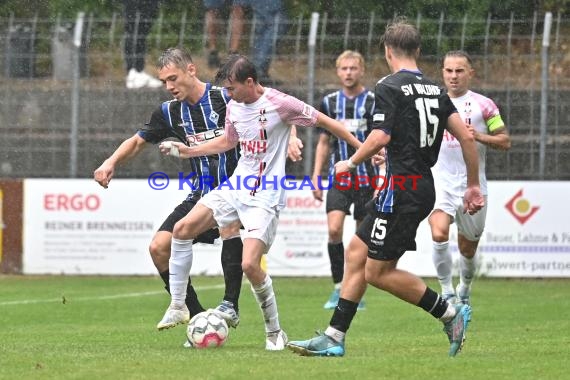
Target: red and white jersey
[(262, 129), (450, 172)]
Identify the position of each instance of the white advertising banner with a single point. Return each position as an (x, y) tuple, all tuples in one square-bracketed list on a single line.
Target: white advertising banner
[(526, 234), (76, 227)]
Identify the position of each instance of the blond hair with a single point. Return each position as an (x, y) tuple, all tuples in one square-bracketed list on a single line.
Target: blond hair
[(351, 54)]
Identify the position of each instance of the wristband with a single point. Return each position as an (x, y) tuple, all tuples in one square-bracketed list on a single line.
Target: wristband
[(174, 152), (351, 164)]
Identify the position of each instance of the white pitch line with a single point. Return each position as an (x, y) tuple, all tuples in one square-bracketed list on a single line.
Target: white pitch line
[(99, 298)]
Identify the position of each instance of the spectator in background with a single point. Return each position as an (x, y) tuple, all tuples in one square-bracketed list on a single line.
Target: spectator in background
[(266, 27), (138, 18), (213, 9)]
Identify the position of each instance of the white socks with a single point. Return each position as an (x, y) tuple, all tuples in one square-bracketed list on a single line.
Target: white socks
[(266, 299), (443, 263), (335, 334), (467, 268), (179, 267), (449, 314)]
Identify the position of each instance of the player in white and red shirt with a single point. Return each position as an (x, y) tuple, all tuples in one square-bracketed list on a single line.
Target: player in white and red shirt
[(259, 120), (483, 119)]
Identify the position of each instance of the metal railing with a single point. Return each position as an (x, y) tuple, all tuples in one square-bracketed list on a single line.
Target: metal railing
[(37, 71)]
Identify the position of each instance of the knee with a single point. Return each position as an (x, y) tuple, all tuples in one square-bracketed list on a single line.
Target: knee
[(439, 225), (439, 236), (159, 252), (368, 275), (183, 230), (467, 250), (375, 277), (249, 267), (335, 234)]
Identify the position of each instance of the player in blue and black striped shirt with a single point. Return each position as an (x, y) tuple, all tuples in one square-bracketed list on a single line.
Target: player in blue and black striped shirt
[(353, 104), (196, 114)]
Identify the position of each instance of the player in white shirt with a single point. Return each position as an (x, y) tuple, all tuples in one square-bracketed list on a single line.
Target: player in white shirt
[(259, 120), (482, 118)]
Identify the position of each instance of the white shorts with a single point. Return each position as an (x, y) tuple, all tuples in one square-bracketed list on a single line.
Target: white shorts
[(470, 226), (258, 222)]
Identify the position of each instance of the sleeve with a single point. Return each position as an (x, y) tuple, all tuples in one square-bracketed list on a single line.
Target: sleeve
[(157, 129), (492, 116), (229, 129), (294, 111), (447, 106), (384, 116)]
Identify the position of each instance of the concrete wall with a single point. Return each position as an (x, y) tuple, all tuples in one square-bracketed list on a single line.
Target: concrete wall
[(35, 118)]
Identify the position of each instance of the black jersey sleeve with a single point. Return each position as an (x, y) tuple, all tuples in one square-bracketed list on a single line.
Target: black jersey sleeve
[(385, 106), (157, 129), (448, 108)]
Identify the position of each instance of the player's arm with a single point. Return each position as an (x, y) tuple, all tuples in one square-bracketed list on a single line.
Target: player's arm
[(128, 149), (473, 200), (321, 154), (216, 145), (295, 146), (376, 140), (498, 139), (338, 129)]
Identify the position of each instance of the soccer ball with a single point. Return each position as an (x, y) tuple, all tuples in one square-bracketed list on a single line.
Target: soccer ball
[(207, 329)]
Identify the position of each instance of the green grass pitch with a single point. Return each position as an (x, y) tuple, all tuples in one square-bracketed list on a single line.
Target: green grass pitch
[(65, 327)]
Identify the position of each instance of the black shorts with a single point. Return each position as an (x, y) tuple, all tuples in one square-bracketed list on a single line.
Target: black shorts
[(180, 212), (389, 235), (340, 200)]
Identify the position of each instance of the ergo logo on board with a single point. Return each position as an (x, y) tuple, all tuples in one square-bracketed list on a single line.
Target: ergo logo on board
[(71, 202)]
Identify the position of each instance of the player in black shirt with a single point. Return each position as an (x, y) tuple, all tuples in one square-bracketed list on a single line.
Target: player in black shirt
[(410, 116), (197, 114)]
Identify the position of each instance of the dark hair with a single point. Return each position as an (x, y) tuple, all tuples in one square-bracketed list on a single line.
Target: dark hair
[(402, 37), (236, 68), (459, 54), (177, 56)]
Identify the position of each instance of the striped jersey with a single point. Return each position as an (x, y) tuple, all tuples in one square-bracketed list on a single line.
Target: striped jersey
[(194, 124), (414, 112), (450, 172), (356, 115)]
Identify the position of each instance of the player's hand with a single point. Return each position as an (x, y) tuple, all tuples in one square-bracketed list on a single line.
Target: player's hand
[(473, 200), (379, 158), (294, 149), (103, 174), (472, 131), (341, 167), (318, 192), (173, 148)]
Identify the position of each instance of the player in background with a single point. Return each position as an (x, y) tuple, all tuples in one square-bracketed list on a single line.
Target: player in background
[(484, 122), (353, 105), (196, 113), (259, 120), (411, 113)]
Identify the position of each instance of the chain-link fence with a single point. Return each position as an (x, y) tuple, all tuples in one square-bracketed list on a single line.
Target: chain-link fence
[(37, 103)]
